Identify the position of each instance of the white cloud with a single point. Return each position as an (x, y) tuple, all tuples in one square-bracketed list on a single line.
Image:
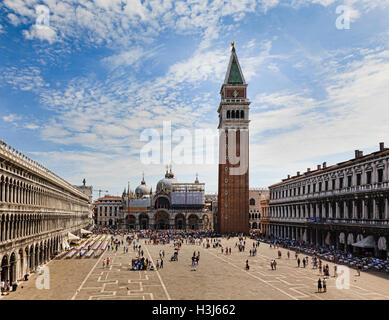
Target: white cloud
[(352, 116), (25, 79), (42, 33), (11, 118), (133, 56)]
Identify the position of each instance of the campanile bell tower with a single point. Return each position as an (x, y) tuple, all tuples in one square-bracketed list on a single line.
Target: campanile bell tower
[(233, 190)]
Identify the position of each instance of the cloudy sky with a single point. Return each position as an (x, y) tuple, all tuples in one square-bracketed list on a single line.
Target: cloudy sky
[(77, 93)]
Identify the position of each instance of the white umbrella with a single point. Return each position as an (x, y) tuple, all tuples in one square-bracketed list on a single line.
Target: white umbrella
[(83, 231), (382, 243), (367, 242), (71, 237)]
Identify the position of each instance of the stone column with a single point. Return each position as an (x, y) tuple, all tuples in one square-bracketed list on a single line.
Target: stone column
[(374, 209), (3, 192), (386, 213), (364, 211)]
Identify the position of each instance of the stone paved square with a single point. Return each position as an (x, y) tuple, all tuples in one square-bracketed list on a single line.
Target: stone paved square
[(218, 276)]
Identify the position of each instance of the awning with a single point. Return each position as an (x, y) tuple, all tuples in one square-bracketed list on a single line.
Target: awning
[(71, 237), (83, 231), (65, 244), (342, 238), (350, 238), (328, 239), (382, 243), (367, 242)]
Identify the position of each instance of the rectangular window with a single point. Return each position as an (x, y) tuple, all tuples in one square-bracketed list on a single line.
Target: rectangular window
[(340, 183), (333, 184), (320, 185), (303, 189), (368, 177), (349, 181), (380, 175), (359, 176), (314, 187), (309, 188)]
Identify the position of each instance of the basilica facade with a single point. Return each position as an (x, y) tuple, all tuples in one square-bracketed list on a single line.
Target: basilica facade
[(173, 205)]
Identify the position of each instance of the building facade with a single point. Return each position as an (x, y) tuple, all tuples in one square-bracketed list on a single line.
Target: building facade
[(173, 205), (337, 205), (108, 210), (233, 182), (38, 209), (256, 195)]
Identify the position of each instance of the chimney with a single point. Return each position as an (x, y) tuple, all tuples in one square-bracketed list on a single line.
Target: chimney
[(382, 146), (288, 176), (324, 165), (356, 154), (308, 169), (360, 154), (318, 167), (298, 173)]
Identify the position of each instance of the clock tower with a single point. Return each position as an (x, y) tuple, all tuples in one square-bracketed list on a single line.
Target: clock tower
[(233, 190)]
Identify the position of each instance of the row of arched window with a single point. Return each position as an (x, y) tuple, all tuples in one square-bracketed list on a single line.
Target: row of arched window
[(19, 192), (235, 114), (349, 209)]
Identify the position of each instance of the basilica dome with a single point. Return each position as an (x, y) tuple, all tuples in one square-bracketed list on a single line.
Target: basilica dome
[(142, 189), (165, 184)]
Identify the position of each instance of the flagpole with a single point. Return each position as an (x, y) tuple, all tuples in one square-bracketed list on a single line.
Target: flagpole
[(128, 198), (186, 212)]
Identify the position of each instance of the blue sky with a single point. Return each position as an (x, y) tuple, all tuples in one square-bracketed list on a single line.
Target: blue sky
[(77, 95)]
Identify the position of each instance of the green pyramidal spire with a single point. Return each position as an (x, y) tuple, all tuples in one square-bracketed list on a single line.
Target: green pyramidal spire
[(235, 76)]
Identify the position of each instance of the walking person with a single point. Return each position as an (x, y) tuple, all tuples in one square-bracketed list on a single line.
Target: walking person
[(324, 285), (359, 267), (319, 285), (298, 263), (247, 265), (161, 266), (335, 271), (288, 254), (2, 287)]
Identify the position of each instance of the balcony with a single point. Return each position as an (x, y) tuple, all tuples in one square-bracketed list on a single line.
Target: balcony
[(384, 186)]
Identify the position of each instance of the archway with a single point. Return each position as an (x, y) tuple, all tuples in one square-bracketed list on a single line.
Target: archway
[(179, 221), (193, 222), (31, 258), (36, 259), (162, 220), (21, 263), (131, 222), (206, 222), (162, 202), (4, 269), (144, 221), (254, 225), (12, 268)]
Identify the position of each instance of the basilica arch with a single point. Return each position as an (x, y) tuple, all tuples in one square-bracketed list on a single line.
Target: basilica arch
[(144, 221), (179, 221), (162, 220)]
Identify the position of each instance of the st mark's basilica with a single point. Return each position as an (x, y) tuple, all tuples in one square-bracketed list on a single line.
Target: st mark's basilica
[(174, 205)]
